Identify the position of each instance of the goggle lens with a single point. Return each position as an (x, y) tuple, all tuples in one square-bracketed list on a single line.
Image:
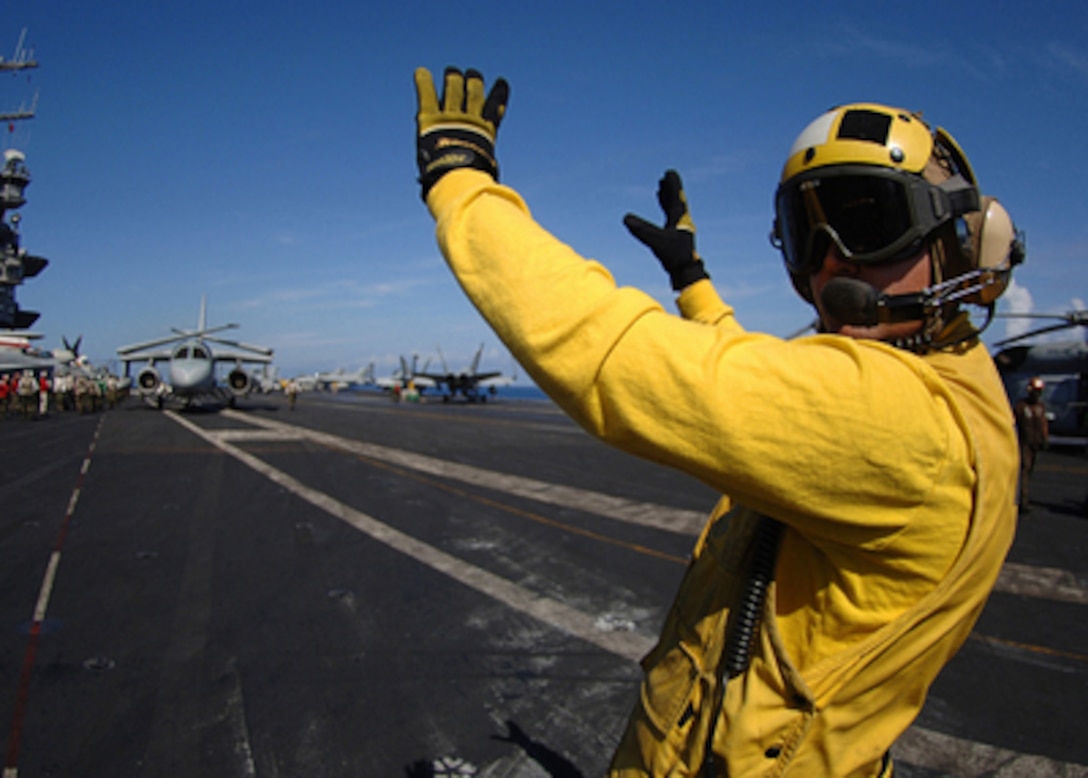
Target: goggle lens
[(867, 217), (868, 214)]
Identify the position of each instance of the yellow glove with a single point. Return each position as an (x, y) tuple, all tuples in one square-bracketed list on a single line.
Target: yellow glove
[(458, 131)]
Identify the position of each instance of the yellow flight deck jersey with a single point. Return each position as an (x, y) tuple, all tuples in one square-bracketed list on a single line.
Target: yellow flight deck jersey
[(892, 474)]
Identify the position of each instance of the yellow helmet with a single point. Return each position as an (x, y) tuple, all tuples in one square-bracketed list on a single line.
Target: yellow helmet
[(862, 134), (880, 185)]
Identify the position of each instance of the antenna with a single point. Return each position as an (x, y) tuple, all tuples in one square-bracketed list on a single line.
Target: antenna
[(23, 60), (19, 45), (16, 264)]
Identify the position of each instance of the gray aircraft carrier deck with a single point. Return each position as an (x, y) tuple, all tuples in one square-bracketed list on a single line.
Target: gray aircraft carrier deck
[(361, 588)]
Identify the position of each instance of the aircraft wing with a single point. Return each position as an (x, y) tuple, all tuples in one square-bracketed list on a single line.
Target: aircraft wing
[(18, 361), (144, 353), (495, 379), (227, 355), (233, 351), (420, 380), (492, 378), (125, 351)]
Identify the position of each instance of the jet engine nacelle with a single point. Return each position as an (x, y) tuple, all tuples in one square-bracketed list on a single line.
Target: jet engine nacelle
[(239, 382), (148, 380)]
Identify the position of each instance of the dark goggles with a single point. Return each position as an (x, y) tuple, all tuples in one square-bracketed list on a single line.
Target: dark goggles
[(871, 214)]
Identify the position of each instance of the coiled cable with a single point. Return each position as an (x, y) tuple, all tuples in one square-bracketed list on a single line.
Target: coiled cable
[(744, 624)]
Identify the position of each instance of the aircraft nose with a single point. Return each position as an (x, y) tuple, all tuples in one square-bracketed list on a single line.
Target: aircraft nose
[(190, 374)]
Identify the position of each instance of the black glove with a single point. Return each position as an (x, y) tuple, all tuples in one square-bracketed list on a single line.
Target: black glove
[(673, 244), (460, 130)]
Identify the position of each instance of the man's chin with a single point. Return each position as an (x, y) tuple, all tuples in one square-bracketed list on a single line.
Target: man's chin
[(883, 331), (861, 333)]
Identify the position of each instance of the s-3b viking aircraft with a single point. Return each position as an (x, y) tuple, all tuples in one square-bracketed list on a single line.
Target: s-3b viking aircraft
[(191, 357)]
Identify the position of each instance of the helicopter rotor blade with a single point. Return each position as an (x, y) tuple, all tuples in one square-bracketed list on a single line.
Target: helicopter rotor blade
[(1072, 318), (1030, 316), (1032, 333)]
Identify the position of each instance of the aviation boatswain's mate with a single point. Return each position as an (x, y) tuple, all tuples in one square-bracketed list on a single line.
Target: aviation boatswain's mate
[(868, 472)]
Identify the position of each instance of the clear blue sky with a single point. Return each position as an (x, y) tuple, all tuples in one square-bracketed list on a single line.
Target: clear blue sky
[(263, 153)]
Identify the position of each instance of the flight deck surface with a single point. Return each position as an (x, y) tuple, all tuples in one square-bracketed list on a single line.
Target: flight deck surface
[(364, 588)]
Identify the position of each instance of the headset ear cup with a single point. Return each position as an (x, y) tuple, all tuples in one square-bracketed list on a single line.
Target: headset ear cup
[(994, 243)]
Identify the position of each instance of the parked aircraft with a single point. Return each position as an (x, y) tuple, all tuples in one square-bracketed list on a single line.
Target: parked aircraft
[(68, 361), (266, 380), (469, 383), (400, 379), (191, 357), (336, 380), (70, 352), (342, 379), (305, 383), (16, 353), (1063, 366)]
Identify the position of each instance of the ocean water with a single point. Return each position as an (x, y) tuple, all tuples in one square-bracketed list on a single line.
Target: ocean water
[(521, 393)]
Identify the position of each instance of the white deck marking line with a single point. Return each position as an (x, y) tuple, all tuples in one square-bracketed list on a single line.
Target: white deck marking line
[(944, 753), (918, 746), (41, 607), (258, 436), (631, 646), (1039, 582), (74, 498), (234, 715), (662, 517), (46, 591), (1047, 583)]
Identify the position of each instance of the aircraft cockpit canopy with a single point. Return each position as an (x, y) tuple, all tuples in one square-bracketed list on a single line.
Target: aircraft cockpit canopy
[(185, 351)]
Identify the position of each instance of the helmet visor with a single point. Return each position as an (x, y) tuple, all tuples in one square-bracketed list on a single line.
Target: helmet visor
[(871, 215)]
